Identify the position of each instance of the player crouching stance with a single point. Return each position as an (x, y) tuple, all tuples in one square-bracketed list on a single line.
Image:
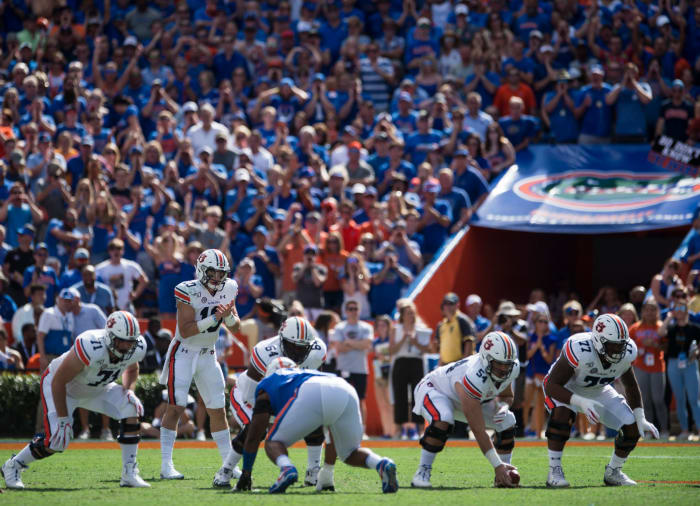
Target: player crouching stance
[(202, 305), (83, 377), (471, 384), (580, 380), (303, 400)]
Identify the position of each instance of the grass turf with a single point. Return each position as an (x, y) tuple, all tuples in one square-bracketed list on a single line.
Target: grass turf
[(460, 475)]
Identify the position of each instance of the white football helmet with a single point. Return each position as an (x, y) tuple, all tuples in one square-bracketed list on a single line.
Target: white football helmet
[(124, 326), (498, 348), (212, 269), (279, 363), (296, 337), (610, 337)]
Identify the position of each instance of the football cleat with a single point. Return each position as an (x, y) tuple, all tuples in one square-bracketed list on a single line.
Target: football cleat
[(288, 476), (614, 477), (311, 476), (556, 479), (12, 472), (387, 471), (170, 473), (201, 436), (106, 435), (131, 477), (325, 480), (223, 476), (422, 477), (84, 435)]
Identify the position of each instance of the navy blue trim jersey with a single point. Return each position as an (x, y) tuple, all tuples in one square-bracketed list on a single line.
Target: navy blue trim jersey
[(282, 385)]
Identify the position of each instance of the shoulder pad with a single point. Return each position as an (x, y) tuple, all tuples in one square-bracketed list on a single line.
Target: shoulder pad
[(183, 291), (470, 383), (577, 348), (140, 351), (88, 347)]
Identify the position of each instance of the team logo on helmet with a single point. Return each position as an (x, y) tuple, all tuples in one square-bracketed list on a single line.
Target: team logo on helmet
[(488, 344), (111, 322), (600, 327)]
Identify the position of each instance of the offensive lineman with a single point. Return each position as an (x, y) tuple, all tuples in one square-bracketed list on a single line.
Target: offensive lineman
[(297, 341), (202, 305), (84, 377), (302, 400), (466, 390), (580, 380)]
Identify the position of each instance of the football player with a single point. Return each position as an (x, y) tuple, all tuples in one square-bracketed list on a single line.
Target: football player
[(581, 381), (297, 340), (202, 305), (476, 390), (84, 377), (302, 400)]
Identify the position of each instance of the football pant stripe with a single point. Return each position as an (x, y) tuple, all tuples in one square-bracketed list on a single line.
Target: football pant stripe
[(430, 407), (239, 409), (47, 425), (283, 412), (171, 375)]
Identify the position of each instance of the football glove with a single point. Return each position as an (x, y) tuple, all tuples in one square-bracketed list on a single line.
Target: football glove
[(134, 401), (501, 413), (588, 407), (245, 482), (643, 425), (60, 439)]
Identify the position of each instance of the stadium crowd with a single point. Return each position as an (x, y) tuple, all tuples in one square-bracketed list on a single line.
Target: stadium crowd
[(328, 148)]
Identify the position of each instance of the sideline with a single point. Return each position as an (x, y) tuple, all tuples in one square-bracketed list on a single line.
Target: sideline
[(155, 445)]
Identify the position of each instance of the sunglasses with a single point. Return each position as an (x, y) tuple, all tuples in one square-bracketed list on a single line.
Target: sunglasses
[(542, 321), (351, 308)]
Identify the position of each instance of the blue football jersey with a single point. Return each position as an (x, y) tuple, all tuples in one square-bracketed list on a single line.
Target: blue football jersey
[(283, 385)]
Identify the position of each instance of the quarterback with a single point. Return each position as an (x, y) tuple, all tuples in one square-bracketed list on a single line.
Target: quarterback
[(302, 400), (581, 380), (476, 390), (297, 341), (84, 377), (202, 305)]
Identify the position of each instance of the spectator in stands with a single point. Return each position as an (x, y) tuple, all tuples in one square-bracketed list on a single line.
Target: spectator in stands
[(7, 305), (389, 283), (675, 114), (472, 308), (573, 311), (383, 327), (514, 87), (469, 178), (663, 284), (267, 264), (310, 275), (55, 330), (650, 366), (333, 257), (249, 287), (559, 110), (86, 316), (498, 150), (628, 313), (42, 274), (408, 341), (605, 301), (355, 282), (455, 335), (595, 113), (17, 261), (540, 354), (72, 276), (681, 357), (630, 98), (26, 346), (10, 359), (95, 292), (121, 274), (520, 129), (435, 220), (352, 340)]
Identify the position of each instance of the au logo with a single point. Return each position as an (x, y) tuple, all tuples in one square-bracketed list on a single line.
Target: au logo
[(602, 191), (488, 345)]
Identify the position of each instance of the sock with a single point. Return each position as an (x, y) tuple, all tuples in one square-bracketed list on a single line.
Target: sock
[(427, 458), (25, 457), (505, 457), (555, 458), (232, 459), (329, 467), (223, 443), (167, 442), (372, 460), (617, 462), (128, 453), (283, 461), (314, 456)]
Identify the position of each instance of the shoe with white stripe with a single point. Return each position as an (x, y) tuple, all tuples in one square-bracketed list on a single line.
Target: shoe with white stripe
[(325, 480), (556, 478), (12, 472), (422, 477), (131, 477), (387, 471), (223, 476), (288, 476), (170, 473), (311, 476), (614, 477)]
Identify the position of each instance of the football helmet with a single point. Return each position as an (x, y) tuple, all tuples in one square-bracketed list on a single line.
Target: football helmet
[(610, 337), (497, 348), (296, 337), (124, 326), (279, 363), (212, 269)]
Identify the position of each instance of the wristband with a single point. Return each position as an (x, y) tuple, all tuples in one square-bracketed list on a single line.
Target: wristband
[(209, 321), (493, 457), (231, 320), (249, 460)]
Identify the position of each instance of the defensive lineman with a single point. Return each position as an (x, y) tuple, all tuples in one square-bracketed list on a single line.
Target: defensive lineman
[(302, 400), (580, 380), (467, 390), (202, 305), (84, 377), (296, 340)]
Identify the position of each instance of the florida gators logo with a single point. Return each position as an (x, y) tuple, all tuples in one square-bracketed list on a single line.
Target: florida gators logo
[(600, 327), (488, 345), (111, 323)]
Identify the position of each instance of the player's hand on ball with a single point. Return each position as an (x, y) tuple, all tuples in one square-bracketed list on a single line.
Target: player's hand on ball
[(503, 476), (245, 482)]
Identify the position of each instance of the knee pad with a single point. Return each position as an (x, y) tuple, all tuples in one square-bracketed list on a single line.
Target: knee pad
[(504, 440), (316, 438), (625, 442), (131, 439), (238, 441), (435, 433), (559, 431), (39, 449)]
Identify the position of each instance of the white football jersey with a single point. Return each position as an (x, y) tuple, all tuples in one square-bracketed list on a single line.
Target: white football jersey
[(204, 304), (91, 348), (589, 373), (473, 378)]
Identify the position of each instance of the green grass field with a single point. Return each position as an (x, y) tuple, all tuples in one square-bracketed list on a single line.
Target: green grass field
[(460, 476)]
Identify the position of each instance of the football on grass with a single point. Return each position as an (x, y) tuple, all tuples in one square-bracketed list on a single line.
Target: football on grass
[(514, 476)]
